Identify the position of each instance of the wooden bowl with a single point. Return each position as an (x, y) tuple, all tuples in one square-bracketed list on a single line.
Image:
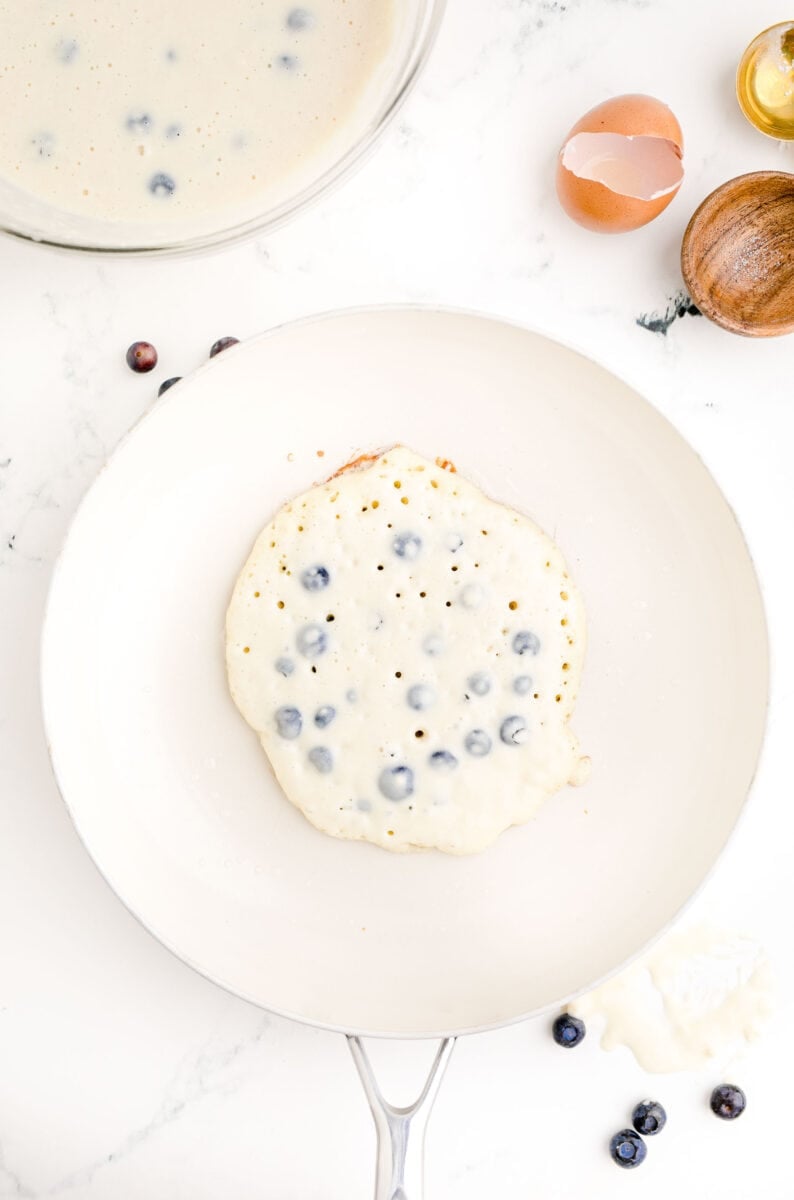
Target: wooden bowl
[(737, 255)]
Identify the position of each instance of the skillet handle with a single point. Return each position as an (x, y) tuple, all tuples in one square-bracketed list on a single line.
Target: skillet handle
[(400, 1131)]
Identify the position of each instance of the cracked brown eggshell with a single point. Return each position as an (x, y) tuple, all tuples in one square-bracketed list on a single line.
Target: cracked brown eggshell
[(621, 164)]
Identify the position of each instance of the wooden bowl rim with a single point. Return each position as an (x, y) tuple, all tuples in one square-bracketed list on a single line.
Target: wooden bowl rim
[(698, 218)]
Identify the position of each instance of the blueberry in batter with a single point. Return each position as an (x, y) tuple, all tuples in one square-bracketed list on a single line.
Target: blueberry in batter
[(289, 722), (420, 696), (321, 759), (525, 642), (396, 783), (312, 641), (513, 731), (162, 184), (315, 578), (407, 545), (477, 742)]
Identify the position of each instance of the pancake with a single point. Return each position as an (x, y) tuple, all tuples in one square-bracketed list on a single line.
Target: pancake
[(409, 652)]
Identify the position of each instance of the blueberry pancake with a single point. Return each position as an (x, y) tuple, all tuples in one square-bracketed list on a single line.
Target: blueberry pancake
[(409, 653)]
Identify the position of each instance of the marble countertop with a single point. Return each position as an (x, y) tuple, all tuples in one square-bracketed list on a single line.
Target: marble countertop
[(124, 1075)]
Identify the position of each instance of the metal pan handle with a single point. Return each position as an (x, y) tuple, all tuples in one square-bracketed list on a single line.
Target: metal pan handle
[(400, 1131)]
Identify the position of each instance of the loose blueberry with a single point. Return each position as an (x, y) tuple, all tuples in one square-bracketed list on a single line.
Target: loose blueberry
[(299, 19), (728, 1101), (223, 344), (289, 722), (522, 684), (420, 696), (407, 545), (285, 666), (315, 578), (168, 383), (477, 742), (396, 783), (312, 641), (649, 1117), (627, 1148), (525, 642), (433, 645), (287, 62), (141, 357), (513, 731), (162, 184), (321, 759), (479, 683), (139, 122), (568, 1030), (324, 716), (443, 760)]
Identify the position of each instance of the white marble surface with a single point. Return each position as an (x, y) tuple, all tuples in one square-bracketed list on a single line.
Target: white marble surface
[(123, 1075)]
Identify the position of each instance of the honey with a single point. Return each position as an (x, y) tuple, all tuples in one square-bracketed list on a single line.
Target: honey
[(765, 81)]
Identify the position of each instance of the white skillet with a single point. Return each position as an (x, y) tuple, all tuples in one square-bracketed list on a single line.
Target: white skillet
[(171, 793)]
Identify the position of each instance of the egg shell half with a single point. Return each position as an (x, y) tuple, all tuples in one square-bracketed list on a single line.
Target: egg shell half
[(593, 204)]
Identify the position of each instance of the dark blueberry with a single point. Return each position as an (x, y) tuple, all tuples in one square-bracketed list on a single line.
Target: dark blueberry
[(442, 759), (649, 1117), (479, 683), (312, 641), (66, 50), (728, 1101), (223, 344), (420, 696), (299, 19), (141, 357), (285, 666), (173, 130), (477, 742), (139, 122), (627, 1148), (396, 783), (321, 759), (522, 684), (513, 731), (568, 1030), (168, 383), (289, 722), (162, 184), (44, 144), (433, 645), (315, 578), (324, 716), (287, 62), (525, 642), (407, 545)]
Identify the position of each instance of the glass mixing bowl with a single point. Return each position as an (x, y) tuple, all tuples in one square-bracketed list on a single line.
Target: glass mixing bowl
[(416, 24)]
